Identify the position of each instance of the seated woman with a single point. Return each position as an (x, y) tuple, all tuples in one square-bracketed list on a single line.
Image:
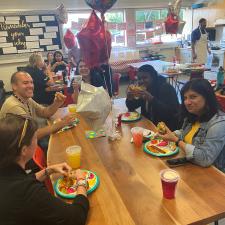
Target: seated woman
[(44, 91), (202, 136), (58, 64), (24, 198), (158, 100), (96, 77), (49, 59)]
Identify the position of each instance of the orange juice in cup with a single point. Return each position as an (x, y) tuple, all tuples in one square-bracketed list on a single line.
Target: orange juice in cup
[(73, 156), (72, 108), (137, 134)]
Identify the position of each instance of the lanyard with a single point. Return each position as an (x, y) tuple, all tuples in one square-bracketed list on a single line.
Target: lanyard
[(20, 100)]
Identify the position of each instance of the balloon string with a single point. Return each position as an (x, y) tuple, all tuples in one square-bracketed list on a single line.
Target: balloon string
[(107, 52)]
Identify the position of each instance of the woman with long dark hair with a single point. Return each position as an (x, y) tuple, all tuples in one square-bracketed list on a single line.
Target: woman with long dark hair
[(24, 198), (98, 77), (58, 64), (202, 136), (158, 101)]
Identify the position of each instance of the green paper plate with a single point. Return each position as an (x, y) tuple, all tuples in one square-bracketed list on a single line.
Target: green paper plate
[(92, 187), (160, 154), (130, 118)]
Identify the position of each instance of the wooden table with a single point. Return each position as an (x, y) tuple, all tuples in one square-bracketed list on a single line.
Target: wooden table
[(130, 188)]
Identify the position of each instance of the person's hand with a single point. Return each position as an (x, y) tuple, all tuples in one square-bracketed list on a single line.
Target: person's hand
[(62, 168), (130, 94), (168, 136), (146, 95), (67, 120), (59, 98), (194, 55), (76, 86)]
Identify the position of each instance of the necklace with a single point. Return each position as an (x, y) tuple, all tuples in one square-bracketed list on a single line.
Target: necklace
[(20, 100)]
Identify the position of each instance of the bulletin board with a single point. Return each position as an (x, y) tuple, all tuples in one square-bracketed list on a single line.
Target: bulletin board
[(29, 33)]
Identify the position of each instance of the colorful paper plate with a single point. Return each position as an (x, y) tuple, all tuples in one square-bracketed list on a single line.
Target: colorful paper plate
[(160, 148), (130, 116), (65, 191)]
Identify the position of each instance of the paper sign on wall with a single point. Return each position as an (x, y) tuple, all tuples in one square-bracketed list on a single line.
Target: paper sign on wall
[(32, 18), (45, 41), (36, 31)]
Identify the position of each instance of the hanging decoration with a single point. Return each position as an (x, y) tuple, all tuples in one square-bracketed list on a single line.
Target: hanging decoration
[(101, 5), (62, 14), (173, 25), (69, 39), (95, 42)]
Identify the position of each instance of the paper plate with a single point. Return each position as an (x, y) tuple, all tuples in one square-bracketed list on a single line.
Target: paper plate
[(130, 116), (160, 148), (68, 192)]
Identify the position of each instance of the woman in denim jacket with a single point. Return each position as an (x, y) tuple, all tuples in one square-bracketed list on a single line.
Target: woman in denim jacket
[(202, 136)]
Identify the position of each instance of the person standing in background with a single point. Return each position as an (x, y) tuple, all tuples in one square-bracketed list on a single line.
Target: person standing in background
[(199, 43)]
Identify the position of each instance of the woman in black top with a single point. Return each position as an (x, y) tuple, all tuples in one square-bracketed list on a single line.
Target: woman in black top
[(44, 91), (158, 102), (98, 77), (24, 198), (58, 64)]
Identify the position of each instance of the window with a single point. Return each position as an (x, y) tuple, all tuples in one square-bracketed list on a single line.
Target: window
[(150, 28), (115, 24)]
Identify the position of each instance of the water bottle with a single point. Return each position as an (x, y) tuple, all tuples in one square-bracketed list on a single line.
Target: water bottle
[(220, 78)]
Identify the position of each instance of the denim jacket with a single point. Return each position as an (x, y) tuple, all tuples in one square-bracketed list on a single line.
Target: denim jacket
[(208, 143)]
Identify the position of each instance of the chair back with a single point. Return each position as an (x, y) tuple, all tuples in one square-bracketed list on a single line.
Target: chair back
[(40, 159)]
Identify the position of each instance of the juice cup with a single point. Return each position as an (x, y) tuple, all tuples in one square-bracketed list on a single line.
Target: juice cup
[(169, 179), (72, 108), (73, 156), (78, 79), (137, 134)]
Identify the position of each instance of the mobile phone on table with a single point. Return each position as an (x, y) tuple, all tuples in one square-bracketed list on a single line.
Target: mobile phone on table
[(176, 162)]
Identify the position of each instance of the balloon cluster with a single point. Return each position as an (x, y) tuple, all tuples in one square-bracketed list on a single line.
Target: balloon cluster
[(94, 39), (173, 25), (95, 42), (62, 14)]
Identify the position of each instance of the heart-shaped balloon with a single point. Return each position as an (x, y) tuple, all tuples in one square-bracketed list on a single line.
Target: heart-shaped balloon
[(69, 39), (101, 5), (95, 42)]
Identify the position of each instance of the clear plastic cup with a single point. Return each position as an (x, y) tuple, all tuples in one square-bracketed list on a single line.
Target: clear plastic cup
[(137, 134), (73, 154), (169, 179), (78, 79), (72, 108)]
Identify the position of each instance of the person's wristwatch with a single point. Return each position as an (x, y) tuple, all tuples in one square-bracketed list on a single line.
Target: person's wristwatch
[(178, 141), (82, 182)]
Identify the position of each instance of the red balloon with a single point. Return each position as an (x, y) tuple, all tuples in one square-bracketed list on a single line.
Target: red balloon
[(95, 42), (171, 24), (69, 39)]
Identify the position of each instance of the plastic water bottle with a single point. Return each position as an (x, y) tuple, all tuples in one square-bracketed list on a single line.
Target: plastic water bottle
[(220, 78)]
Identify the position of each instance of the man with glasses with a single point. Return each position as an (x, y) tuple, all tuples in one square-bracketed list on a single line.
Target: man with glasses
[(21, 103)]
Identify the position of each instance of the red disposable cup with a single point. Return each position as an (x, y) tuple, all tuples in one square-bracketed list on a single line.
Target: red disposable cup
[(137, 134), (169, 179)]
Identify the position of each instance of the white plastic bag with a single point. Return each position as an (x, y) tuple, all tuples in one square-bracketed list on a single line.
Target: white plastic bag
[(94, 105)]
